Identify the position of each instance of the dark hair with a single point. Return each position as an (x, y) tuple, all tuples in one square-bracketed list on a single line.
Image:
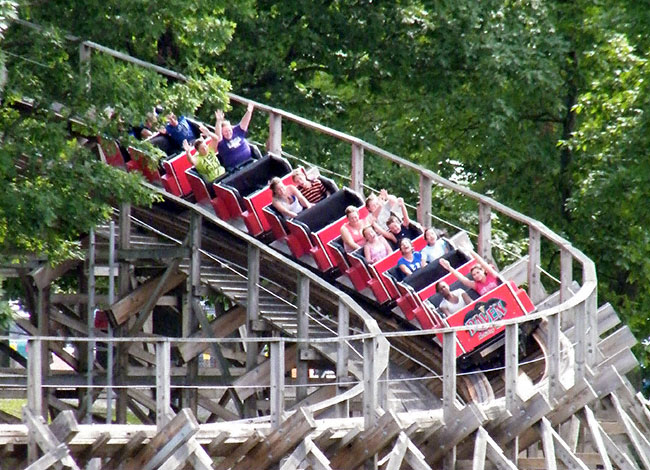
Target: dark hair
[(391, 219), (438, 286), (273, 184)]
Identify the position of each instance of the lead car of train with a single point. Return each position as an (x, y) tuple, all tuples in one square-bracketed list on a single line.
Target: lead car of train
[(313, 237)]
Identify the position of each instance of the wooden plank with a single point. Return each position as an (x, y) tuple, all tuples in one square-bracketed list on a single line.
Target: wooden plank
[(617, 455), (396, 455), (44, 275), (224, 325), (241, 450), (45, 438), (132, 303), (597, 437), (178, 431), (496, 455), (480, 449), (484, 247), (50, 458), (278, 443), (562, 450), (415, 458), (126, 451), (549, 447), (368, 443), (64, 427), (640, 443), (262, 373), (90, 451)]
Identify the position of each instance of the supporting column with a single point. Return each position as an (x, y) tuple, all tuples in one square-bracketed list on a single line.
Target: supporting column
[(369, 383), (302, 364), (277, 382), (190, 318), (91, 326), (109, 344), (424, 207), (252, 315), (122, 349), (34, 389), (44, 330), (342, 357), (84, 64), (554, 386), (512, 377), (566, 273), (275, 133), (163, 383), (356, 170), (485, 231), (581, 340), (512, 365), (591, 311), (449, 389), (535, 290)]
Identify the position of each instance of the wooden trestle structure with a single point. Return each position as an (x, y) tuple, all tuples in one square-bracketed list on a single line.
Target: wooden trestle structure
[(300, 375)]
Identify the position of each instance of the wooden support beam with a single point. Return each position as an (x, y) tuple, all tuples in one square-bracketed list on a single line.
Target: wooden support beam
[(89, 452), (342, 356), (50, 458), (163, 384), (242, 449), (64, 427), (638, 440), (597, 437), (535, 288), (275, 133), (612, 449), (367, 444), (129, 305), (395, 457), (480, 450), (277, 383), (126, 452), (165, 253), (278, 443), (45, 438), (561, 449), (44, 275), (485, 231), (302, 367), (223, 326), (424, 204), (262, 374), (356, 169), (160, 288), (176, 433)]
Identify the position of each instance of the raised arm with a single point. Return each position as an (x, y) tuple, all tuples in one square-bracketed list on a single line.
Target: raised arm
[(405, 215), (445, 264), (218, 114), (488, 268), (246, 120), (188, 151)]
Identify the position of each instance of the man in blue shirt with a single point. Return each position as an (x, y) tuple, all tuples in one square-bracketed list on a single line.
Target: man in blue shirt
[(233, 149), (178, 130)]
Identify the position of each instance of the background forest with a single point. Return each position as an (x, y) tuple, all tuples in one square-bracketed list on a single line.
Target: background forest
[(538, 103)]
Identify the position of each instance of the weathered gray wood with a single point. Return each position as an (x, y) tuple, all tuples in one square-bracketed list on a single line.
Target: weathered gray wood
[(342, 356), (45, 274), (639, 441), (277, 383), (50, 458), (512, 365), (580, 366), (45, 438), (277, 443), (480, 449), (356, 170), (566, 274), (126, 452), (415, 458), (178, 431), (562, 450), (369, 382), (549, 447), (597, 437), (34, 377), (163, 253), (368, 443), (449, 375), (591, 309), (160, 288), (242, 449), (553, 358), (535, 289), (163, 383), (275, 133), (495, 454), (424, 204), (64, 427), (618, 455), (485, 231), (302, 379), (252, 306), (134, 302), (90, 451), (398, 452)]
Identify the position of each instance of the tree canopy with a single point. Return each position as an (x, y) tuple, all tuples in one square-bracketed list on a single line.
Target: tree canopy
[(538, 103)]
